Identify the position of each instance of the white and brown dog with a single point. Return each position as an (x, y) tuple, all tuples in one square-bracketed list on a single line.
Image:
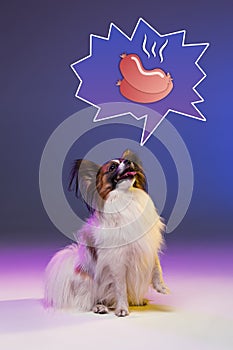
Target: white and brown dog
[(116, 256)]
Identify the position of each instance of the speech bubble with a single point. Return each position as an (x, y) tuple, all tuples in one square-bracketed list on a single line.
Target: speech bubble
[(152, 59)]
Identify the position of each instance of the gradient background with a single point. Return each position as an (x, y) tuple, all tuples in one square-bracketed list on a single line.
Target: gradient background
[(39, 40)]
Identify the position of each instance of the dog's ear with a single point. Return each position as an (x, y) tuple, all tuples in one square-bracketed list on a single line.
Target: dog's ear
[(130, 155), (83, 176)]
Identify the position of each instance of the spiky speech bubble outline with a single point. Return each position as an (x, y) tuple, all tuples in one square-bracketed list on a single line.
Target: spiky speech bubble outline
[(99, 71)]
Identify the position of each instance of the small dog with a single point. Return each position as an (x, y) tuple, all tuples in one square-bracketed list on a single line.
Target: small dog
[(116, 256)]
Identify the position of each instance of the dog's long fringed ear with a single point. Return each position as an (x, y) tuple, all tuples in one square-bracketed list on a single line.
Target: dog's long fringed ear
[(82, 176), (130, 155)]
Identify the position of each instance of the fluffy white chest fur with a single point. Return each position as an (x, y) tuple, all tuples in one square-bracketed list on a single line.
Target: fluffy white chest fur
[(128, 237), (129, 214)]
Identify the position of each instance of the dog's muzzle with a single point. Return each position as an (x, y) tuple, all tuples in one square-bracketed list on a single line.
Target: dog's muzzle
[(125, 170)]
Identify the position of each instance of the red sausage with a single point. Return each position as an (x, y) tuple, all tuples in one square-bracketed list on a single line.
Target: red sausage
[(135, 95), (148, 81)]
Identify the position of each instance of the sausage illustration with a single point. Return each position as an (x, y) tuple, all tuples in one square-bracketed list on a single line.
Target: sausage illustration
[(135, 95), (138, 82)]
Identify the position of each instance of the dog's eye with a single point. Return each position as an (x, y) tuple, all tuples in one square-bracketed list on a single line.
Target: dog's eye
[(112, 167)]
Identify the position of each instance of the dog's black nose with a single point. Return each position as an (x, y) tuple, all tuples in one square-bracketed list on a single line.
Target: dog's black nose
[(127, 162)]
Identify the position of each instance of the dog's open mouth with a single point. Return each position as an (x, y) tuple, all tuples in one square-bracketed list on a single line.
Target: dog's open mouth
[(126, 175)]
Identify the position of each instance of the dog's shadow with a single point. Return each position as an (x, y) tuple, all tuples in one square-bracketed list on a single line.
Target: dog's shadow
[(151, 308)]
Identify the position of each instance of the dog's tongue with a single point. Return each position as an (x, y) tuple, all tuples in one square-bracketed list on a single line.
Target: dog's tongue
[(128, 174)]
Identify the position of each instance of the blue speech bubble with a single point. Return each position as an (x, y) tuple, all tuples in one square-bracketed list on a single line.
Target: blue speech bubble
[(153, 56)]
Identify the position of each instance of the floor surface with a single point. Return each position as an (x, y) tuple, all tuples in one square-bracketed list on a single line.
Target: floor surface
[(198, 314)]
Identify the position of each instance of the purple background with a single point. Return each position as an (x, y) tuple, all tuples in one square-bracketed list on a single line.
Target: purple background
[(39, 42)]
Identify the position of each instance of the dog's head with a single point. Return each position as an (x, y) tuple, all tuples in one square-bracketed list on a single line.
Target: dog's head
[(95, 182)]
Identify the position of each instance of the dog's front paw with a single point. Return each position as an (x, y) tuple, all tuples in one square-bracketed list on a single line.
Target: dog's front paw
[(160, 287), (100, 309), (121, 312)]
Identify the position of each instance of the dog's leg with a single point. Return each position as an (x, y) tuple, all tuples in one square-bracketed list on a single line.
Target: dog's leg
[(157, 278), (121, 293)]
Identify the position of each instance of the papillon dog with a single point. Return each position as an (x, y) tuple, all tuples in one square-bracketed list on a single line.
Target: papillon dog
[(116, 257)]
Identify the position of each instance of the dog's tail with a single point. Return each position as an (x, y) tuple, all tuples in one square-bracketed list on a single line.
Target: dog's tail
[(66, 286)]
